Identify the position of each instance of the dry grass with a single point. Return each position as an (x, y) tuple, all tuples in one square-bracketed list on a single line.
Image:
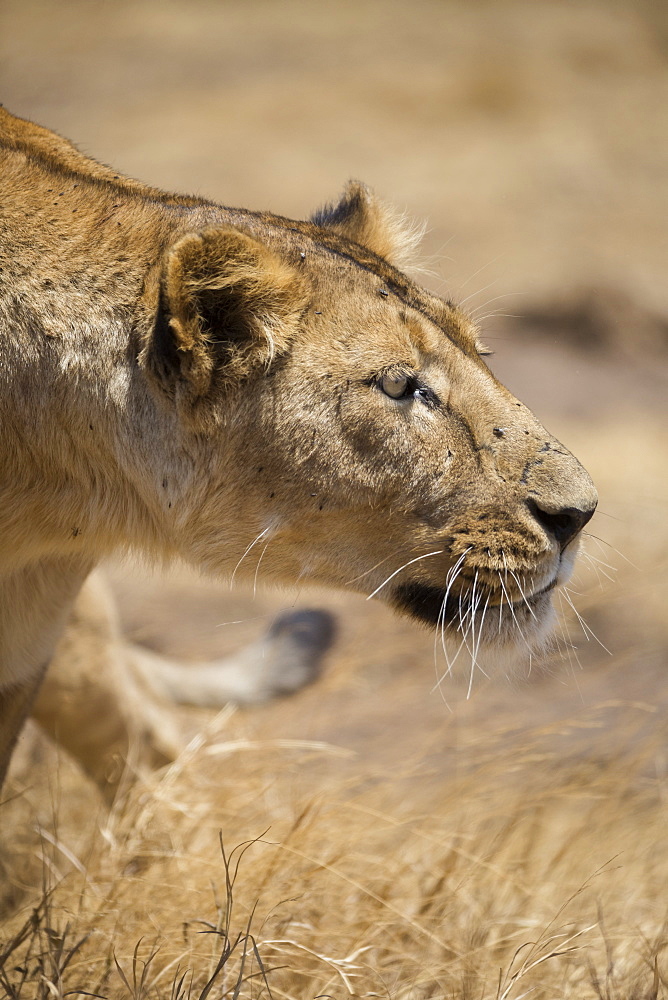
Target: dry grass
[(250, 868)]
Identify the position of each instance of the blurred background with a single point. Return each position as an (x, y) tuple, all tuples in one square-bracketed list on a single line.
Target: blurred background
[(532, 137)]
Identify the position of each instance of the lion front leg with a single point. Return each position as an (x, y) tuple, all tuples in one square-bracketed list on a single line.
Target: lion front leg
[(108, 702), (90, 701), (35, 601), (15, 704)]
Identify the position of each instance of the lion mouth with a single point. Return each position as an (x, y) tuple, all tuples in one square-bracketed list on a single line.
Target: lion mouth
[(437, 607)]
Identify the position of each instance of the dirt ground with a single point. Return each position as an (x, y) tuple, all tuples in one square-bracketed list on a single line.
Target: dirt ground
[(533, 139)]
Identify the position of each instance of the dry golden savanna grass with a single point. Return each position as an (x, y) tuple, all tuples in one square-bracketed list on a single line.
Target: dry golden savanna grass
[(534, 869), (402, 840)]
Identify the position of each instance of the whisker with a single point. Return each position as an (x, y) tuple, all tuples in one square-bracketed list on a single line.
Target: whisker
[(437, 552), (496, 298), (450, 578), (472, 632), (439, 631), (476, 647), (480, 630), (254, 542), (464, 627), (500, 603), (512, 612), (475, 274), (257, 568), (571, 649), (613, 517), (366, 572), (460, 627), (583, 625), (470, 614), (451, 664), (462, 302), (602, 541), (594, 563), (523, 595), (601, 562), (493, 314)]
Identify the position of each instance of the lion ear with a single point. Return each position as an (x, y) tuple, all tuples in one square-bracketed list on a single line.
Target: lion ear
[(361, 217), (228, 306)]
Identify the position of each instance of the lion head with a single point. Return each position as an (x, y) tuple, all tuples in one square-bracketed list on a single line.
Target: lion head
[(340, 426)]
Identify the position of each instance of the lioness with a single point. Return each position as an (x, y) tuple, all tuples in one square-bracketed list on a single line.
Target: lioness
[(191, 380)]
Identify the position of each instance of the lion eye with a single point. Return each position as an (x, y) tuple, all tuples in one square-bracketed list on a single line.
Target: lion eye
[(394, 386)]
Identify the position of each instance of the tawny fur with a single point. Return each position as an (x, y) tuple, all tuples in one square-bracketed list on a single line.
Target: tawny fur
[(182, 379)]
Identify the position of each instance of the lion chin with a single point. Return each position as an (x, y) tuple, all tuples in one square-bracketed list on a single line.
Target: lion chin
[(489, 633)]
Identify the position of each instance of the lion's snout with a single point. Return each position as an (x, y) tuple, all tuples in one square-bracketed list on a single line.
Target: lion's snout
[(504, 561), (563, 524)]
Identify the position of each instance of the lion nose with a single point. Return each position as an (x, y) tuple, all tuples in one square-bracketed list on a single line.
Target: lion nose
[(563, 524)]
